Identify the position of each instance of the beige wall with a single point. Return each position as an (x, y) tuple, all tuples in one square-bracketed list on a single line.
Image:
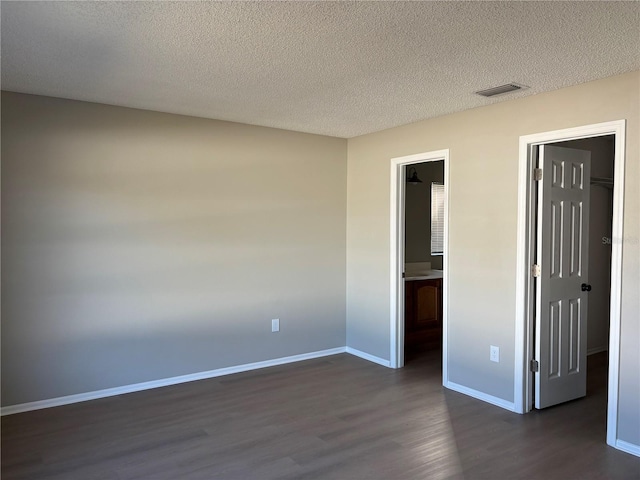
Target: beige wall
[(483, 186), (138, 245)]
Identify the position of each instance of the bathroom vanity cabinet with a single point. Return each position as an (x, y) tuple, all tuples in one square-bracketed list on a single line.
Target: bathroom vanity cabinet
[(423, 315)]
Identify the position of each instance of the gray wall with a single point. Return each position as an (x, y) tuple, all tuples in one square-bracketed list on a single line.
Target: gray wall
[(600, 223), (483, 194), (418, 214), (138, 246)]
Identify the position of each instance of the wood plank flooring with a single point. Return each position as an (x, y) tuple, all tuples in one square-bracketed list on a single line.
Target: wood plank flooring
[(337, 417)]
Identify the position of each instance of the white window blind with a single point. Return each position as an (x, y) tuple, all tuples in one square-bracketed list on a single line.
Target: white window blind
[(437, 218)]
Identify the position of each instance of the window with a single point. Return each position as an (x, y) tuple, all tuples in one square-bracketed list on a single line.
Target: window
[(437, 218)]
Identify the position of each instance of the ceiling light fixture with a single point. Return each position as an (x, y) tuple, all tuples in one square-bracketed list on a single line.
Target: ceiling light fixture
[(412, 176)]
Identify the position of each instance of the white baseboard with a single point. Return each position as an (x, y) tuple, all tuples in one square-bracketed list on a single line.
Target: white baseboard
[(110, 392), (367, 356), (628, 447), (499, 402), (594, 350)]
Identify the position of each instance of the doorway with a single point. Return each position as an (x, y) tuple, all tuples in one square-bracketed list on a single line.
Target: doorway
[(600, 134), (602, 151), (398, 187), (423, 251)]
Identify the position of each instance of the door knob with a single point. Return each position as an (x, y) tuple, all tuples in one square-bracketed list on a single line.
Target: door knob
[(586, 287)]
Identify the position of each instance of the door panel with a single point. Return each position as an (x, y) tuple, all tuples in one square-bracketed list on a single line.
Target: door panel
[(562, 253), (427, 304)]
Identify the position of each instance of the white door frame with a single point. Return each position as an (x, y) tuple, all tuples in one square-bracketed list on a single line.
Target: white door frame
[(398, 184), (523, 393)]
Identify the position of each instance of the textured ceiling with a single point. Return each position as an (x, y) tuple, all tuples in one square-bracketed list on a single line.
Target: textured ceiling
[(333, 68)]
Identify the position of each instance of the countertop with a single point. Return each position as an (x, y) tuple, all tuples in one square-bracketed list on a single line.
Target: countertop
[(423, 275)]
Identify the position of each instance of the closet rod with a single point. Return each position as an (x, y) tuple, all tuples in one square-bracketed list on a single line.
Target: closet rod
[(602, 182)]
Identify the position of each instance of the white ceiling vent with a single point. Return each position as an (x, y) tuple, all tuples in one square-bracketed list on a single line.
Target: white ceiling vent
[(502, 89)]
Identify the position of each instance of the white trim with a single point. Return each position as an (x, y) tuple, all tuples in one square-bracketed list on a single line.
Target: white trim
[(524, 323), (615, 313), (523, 284), (136, 387), (594, 350), (628, 447), (369, 357), (499, 402), (396, 250)]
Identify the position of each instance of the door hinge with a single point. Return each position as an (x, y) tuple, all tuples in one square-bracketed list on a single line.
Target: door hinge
[(534, 366), (535, 270), (537, 174)]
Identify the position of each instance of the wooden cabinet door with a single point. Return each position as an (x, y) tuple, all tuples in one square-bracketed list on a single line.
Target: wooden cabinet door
[(427, 304), (423, 315)]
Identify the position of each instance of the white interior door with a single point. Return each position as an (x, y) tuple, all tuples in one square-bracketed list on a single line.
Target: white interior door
[(562, 286)]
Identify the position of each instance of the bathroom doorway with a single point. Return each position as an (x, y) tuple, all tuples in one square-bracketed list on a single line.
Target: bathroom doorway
[(425, 265), (423, 262)]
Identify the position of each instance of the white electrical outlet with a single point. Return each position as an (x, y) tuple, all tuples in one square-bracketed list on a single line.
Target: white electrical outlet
[(275, 325), (494, 353)]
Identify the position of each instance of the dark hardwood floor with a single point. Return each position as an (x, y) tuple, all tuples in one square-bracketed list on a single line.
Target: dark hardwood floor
[(337, 417)]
